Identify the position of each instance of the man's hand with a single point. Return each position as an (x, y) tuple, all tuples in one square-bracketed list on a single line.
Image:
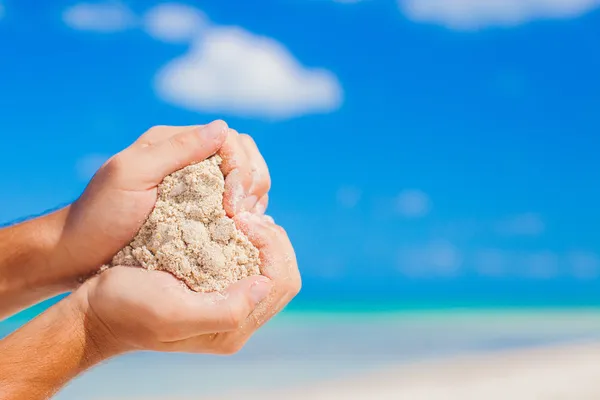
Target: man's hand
[(134, 309), (48, 256), (123, 192), (127, 309)]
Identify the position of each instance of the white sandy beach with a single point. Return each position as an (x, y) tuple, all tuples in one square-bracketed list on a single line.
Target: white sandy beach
[(555, 373)]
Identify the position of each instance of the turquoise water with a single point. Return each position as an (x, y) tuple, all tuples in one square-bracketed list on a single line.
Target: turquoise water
[(366, 310)]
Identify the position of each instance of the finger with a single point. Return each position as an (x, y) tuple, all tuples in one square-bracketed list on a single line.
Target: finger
[(261, 206), (259, 172), (232, 153), (161, 132), (201, 313), (278, 262), (237, 184), (146, 167), (237, 176), (278, 259)]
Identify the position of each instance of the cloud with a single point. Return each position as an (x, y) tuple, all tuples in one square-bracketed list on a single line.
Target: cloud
[(104, 17), (87, 166), (412, 204), (528, 224), (227, 70), (348, 196), (230, 70), (478, 14), (174, 22), (435, 259)]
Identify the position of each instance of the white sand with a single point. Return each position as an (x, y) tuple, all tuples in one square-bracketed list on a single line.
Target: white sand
[(189, 234), (568, 372)]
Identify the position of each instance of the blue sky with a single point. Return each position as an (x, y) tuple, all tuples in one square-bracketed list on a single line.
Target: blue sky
[(416, 147)]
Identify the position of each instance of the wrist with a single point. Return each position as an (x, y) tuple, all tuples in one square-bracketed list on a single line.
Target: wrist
[(99, 341)]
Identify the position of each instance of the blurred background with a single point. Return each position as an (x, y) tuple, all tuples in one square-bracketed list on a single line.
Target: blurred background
[(434, 162)]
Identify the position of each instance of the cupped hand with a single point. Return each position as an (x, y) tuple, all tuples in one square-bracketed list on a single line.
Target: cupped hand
[(123, 192), (135, 309)]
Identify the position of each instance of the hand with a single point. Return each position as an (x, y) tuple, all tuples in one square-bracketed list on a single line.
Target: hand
[(123, 192), (135, 309)]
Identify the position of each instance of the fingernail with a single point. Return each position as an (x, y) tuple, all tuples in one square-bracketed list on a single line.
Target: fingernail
[(269, 219), (215, 130), (260, 289)]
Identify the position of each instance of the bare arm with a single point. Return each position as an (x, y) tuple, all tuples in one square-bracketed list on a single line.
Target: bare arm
[(28, 268), (41, 357)]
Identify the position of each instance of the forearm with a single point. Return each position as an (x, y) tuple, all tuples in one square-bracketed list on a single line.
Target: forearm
[(29, 269), (41, 357)]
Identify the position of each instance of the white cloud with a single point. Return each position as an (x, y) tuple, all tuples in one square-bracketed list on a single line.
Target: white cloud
[(230, 70), (348, 196), (478, 14), (87, 166), (413, 204), (436, 259), (174, 22), (103, 17), (528, 224)]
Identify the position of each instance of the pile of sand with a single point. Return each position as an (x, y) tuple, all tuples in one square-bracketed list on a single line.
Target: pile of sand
[(189, 235)]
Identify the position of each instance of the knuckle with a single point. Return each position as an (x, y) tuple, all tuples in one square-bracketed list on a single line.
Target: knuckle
[(188, 141), (247, 139), (115, 166), (280, 231)]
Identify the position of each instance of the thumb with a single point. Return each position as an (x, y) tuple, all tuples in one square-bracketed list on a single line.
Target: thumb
[(227, 311), (149, 164)]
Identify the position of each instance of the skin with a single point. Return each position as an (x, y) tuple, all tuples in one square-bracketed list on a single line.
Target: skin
[(114, 312)]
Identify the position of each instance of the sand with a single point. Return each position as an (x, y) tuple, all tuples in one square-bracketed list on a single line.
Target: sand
[(189, 234), (564, 372)]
